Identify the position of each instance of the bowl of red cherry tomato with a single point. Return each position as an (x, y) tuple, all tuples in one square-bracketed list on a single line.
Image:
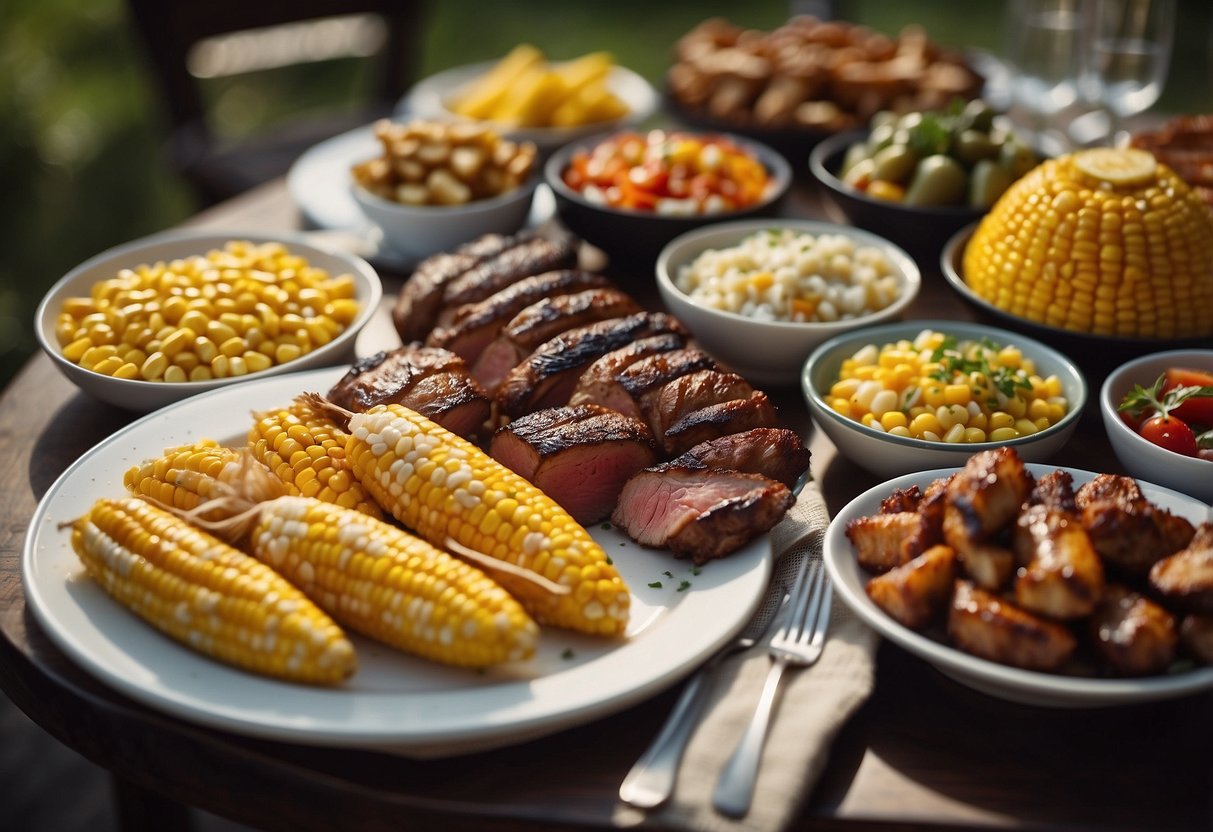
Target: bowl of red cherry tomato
[(629, 193), (1158, 412)]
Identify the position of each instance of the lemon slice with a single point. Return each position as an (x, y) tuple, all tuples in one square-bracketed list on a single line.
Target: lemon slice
[(1119, 166)]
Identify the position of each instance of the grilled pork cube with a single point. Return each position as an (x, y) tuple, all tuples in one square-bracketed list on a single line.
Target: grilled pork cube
[(1063, 576), (697, 511), (1185, 579), (580, 456), (475, 325), (533, 255), (916, 593), (420, 298), (718, 420), (598, 384), (542, 321), (903, 499), (986, 494), (1135, 636), (1126, 529), (1056, 490), (547, 377), (885, 541), (777, 453), (1196, 635), (981, 623), (432, 381), (674, 400)]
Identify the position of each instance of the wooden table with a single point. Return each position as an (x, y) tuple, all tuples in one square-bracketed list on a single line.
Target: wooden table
[(923, 752)]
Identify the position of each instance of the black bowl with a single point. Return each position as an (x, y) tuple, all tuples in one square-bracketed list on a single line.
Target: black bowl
[(920, 230), (635, 238)]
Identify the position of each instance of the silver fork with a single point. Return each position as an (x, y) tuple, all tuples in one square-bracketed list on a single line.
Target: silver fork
[(651, 781), (798, 641)]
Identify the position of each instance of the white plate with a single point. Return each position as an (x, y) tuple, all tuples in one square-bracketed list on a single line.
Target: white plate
[(319, 184), (428, 97), (394, 702), (1011, 683)]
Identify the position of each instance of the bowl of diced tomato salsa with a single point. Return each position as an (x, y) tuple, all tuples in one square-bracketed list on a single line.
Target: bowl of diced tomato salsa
[(629, 193)]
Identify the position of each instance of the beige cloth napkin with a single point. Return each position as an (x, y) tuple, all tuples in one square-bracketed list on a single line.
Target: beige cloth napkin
[(815, 703)]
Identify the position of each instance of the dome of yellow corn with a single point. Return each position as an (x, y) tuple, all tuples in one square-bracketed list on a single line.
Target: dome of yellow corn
[(1106, 241)]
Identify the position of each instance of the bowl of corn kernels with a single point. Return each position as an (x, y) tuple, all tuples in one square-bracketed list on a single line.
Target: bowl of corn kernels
[(1105, 246), (156, 320), (438, 184), (759, 295), (917, 395)]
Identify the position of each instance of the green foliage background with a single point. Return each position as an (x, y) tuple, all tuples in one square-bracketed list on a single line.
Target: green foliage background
[(80, 132)]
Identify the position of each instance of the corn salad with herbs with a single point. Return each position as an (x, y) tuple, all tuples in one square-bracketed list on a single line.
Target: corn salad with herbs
[(942, 389)]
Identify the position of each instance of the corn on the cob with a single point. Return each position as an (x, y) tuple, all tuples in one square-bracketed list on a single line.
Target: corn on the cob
[(381, 581), (447, 489), (306, 450), (186, 476), (1104, 241), (208, 595)]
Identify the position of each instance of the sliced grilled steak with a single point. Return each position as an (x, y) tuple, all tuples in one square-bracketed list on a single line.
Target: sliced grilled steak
[(432, 381), (691, 392), (542, 321), (581, 456), (547, 376), (636, 386), (718, 420), (475, 325), (420, 298), (598, 382), (777, 453), (697, 511), (530, 257)]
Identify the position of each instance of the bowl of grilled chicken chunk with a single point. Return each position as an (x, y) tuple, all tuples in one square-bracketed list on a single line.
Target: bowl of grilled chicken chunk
[(1042, 585)]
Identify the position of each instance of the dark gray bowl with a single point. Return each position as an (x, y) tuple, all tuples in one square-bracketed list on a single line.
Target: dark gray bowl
[(635, 238), (920, 230)]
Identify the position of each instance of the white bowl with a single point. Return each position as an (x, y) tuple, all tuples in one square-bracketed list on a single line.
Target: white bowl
[(144, 396), (1012, 683), (417, 231), (888, 455), (1140, 457), (428, 97), (768, 352)]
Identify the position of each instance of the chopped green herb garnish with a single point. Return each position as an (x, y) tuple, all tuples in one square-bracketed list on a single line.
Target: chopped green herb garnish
[(655, 585), (606, 527), (694, 570), (684, 585), (609, 561), (668, 574), (567, 654)]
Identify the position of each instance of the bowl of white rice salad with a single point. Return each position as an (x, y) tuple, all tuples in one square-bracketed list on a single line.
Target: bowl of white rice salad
[(759, 295)]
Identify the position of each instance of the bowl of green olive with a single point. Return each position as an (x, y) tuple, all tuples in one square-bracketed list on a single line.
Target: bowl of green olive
[(917, 178)]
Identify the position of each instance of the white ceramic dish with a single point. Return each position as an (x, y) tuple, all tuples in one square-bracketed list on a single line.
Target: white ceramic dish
[(394, 702), (888, 455), (143, 396), (1024, 686), (768, 352), (320, 185), (1140, 457), (428, 99)]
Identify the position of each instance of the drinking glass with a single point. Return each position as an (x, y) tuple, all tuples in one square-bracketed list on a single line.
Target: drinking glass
[(1044, 44), (1127, 57)]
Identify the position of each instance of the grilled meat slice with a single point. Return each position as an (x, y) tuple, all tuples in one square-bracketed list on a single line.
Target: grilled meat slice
[(581, 456), (532, 256), (1196, 635), (689, 392), (432, 381), (916, 593), (637, 377), (885, 541), (542, 321), (697, 511), (1185, 578), (598, 379), (547, 377), (903, 499), (1135, 636), (1062, 576), (718, 420), (982, 624), (420, 298), (1126, 529), (475, 325), (1055, 490), (777, 453)]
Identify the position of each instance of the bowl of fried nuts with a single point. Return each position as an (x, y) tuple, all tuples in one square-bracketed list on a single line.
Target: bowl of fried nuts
[(438, 184)]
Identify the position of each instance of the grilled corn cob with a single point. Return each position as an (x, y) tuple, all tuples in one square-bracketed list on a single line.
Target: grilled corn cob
[(208, 595), (1101, 241), (456, 496), (306, 450), (186, 476)]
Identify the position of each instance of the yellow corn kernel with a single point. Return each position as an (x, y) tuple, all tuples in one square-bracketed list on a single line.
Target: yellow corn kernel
[(955, 434), (1000, 419), (926, 423), (1003, 434), (900, 430), (957, 394), (973, 434), (893, 419), (935, 395), (1038, 409), (1025, 427)]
